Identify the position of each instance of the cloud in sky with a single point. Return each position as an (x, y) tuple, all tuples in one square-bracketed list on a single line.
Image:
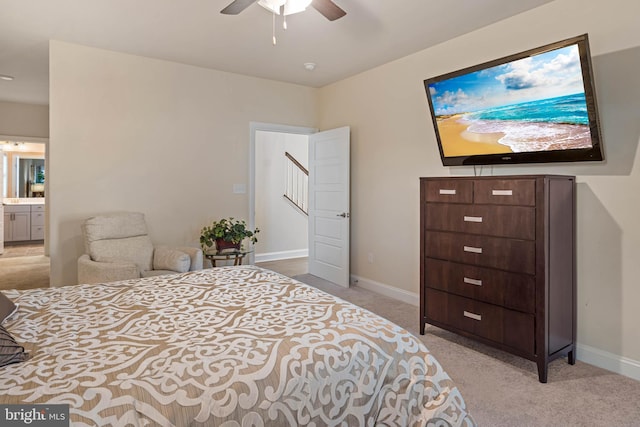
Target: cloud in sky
[(542, 76), (527, 73), (458, 97)]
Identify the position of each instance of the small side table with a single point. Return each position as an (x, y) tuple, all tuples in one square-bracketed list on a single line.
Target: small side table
[(226, 255)]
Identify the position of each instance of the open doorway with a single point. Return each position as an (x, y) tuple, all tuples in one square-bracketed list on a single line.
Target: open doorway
[(328, 198), (279, 157), (24, 263)]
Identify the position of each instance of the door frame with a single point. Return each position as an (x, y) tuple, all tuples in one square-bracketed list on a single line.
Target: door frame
[(47, 181), (254, 127)]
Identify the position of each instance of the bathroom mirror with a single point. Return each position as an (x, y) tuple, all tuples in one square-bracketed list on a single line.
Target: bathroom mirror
[(30, 177), (24, 170)]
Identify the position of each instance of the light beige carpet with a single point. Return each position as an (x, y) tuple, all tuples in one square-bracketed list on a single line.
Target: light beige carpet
[(503, 390), (25, 272)]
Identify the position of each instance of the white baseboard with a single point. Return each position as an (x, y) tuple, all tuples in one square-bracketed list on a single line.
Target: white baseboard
[(609, 361), (386, 290), (275, 256), (591, 355)]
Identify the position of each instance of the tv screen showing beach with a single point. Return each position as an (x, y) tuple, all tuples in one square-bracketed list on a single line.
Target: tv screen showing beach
[(532, 104)]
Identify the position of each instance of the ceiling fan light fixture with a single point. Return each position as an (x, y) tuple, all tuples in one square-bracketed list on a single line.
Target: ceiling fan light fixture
[(272, 6), (295, 6), (290, 6), (327, 8)]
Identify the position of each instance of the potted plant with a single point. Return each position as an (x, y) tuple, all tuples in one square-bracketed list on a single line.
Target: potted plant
[(227, 233)]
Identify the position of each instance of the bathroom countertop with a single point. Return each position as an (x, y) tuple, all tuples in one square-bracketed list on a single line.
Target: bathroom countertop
[(23, 201)]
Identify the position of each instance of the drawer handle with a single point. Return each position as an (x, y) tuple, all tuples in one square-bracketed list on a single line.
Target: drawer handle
[(471, 315), (473, 249), (502, 192), (448, 192), (473, 218), (472, 281)]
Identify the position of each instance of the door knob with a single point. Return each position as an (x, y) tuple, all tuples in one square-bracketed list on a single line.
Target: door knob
[(343, 215)]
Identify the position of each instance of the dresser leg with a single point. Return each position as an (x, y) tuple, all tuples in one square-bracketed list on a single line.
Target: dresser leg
[(572, 357), (542, 371)]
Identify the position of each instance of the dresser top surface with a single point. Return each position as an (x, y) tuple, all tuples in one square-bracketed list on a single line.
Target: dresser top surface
[(500, 177)]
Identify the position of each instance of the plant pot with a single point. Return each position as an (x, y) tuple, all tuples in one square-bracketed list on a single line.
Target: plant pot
[(222, 245)]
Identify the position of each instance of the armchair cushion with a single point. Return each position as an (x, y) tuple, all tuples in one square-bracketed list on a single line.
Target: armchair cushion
[(137, 249), (165, 258), (108, 271), (114, 226)]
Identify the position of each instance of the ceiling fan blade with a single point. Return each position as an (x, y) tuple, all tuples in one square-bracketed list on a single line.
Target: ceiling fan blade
[(329, 9), (237, 6)]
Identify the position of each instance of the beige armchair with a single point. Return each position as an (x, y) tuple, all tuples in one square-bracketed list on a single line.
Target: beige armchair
[(117, 247)]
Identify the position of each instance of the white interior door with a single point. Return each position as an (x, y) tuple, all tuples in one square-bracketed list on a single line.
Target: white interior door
[(329, 205)]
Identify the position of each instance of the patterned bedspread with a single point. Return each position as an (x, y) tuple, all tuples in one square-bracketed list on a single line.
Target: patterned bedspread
[(230, 346)]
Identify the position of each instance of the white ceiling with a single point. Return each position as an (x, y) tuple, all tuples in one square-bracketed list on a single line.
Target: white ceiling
[(194, 32)]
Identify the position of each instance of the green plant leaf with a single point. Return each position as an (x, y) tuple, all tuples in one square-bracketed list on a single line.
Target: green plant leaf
[(228, 229)]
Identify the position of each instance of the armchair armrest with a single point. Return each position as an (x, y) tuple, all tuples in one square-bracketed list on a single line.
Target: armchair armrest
[(98, 272), (196, 257)]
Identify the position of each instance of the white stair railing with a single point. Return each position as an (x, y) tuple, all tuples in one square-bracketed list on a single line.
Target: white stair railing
[(297, 183)]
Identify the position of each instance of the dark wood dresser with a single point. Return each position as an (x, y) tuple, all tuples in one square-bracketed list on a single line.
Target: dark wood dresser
[(497, 262)]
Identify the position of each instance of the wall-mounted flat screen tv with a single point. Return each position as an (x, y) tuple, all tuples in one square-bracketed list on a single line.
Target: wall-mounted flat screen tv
[(532, 107)]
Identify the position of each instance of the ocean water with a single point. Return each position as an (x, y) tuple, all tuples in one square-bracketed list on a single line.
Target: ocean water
[(568, 109), (548, 124)]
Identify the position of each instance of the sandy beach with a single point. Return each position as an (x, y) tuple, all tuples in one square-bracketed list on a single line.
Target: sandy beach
[(457, 141)]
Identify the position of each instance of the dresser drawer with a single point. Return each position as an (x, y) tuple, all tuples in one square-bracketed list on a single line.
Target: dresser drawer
[(520, 192), (498, 324), (511, 290), (449, 191), (503, 221), (495, 252)]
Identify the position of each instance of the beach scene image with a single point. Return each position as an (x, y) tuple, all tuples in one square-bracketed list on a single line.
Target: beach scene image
[(531, 104)]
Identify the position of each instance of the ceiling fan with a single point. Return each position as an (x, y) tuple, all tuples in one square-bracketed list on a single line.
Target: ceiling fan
[(327, 8)]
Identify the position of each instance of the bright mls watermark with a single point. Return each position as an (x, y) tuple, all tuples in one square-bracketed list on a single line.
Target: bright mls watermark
[(34, 415)]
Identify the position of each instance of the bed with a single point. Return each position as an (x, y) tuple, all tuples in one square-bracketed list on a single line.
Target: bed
[(228, 346)]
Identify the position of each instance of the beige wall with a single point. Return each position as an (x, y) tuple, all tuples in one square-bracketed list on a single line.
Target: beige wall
[(165, 139), (393, 143), (133, 125), (29, 120)]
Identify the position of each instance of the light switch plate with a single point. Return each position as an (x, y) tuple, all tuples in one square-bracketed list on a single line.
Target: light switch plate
[(239, 188)]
